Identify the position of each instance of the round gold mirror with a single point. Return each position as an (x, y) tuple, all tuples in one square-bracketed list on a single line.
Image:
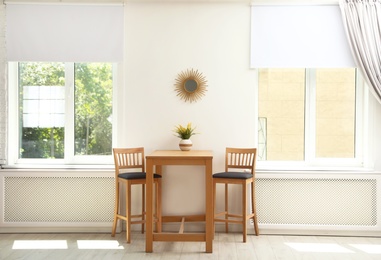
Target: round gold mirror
[(190, 85)]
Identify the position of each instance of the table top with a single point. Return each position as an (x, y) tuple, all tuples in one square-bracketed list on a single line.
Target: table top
[(181, 154)]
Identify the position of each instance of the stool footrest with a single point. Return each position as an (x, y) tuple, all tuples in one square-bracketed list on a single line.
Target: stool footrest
[(228, 221), (189, 218)]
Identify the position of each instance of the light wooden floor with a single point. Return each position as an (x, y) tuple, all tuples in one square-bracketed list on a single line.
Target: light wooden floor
[(226, 246)]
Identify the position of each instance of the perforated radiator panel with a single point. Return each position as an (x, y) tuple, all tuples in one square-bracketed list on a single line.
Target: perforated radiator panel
[(58, 199), (317, 201)]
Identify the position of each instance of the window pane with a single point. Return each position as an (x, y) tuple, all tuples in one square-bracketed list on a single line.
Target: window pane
[(42, 110), (93, 109), (281, 114), (335, 113)]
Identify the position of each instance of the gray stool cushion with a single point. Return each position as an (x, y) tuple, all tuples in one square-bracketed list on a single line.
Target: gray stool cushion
[(135, 175), (233, 175)]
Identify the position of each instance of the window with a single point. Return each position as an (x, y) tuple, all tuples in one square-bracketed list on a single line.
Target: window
[(64, 112), (310, 116)]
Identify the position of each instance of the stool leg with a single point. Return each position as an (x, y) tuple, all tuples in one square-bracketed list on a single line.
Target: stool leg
[(244, 211), (143, 205), (226, 208), (254, 210), (116, 209), (128, 212)]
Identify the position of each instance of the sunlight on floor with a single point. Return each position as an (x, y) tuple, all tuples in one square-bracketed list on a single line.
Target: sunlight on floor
[(99, 244), (319, 247), (62, 244), (40, 244), (370, 249)]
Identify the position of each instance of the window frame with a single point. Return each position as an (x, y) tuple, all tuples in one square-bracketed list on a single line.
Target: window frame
[(70, 158), (361, 159)]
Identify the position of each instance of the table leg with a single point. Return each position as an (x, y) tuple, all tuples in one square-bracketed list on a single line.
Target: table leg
[(158, 202), (149, 205), (209, 211)]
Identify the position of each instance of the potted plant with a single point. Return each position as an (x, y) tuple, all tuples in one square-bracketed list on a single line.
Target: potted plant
[(185, 133)]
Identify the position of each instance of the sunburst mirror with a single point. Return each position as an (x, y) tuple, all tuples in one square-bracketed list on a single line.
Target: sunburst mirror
[(190, 85)]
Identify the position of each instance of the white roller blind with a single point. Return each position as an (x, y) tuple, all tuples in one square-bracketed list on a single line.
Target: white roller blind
[(67, 33), (298, 37)]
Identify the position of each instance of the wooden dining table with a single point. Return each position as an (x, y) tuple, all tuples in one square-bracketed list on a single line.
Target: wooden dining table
[(154, 163)]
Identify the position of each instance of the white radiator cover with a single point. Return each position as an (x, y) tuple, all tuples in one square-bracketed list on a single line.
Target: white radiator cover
[(317, 201), (58, 199), (287, 203)]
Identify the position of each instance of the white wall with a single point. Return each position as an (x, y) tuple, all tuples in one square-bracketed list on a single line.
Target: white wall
[(161, 41), (375, 134)]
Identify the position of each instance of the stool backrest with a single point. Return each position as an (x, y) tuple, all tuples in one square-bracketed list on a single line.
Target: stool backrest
[(129, 158), (240, 159)]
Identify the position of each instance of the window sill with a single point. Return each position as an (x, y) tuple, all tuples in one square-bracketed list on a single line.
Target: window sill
[(58, 167), (331, 171)]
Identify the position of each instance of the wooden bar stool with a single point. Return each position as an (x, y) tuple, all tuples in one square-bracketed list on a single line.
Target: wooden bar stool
[(239, 169), (130, 170)]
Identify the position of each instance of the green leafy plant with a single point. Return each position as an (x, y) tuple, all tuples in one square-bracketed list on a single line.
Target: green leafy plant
[(185, 132)]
